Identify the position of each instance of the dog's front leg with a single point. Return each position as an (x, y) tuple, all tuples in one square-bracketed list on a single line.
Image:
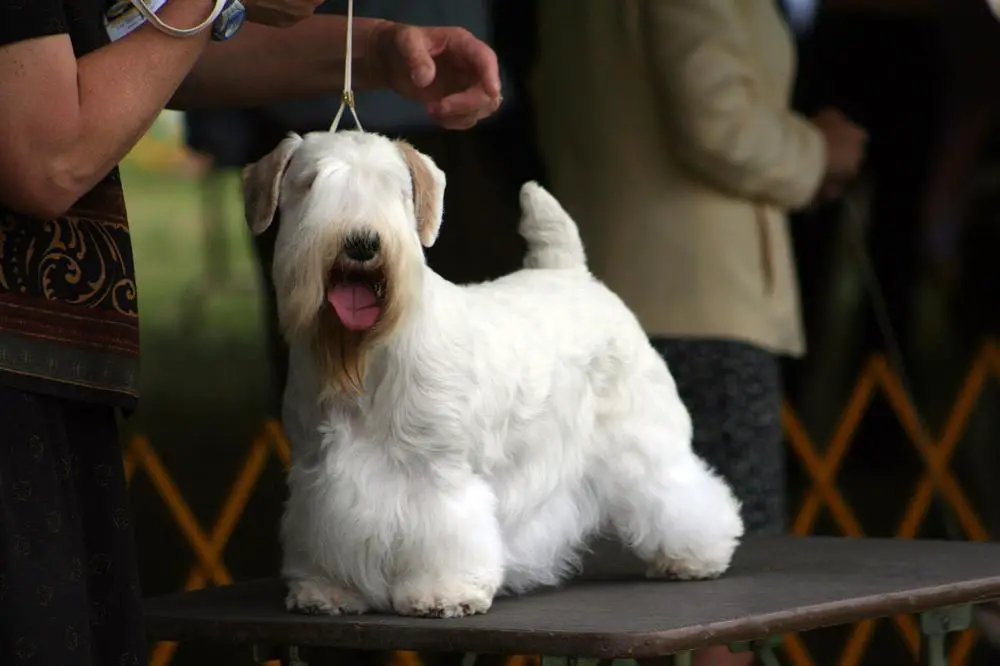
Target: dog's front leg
[(451, 559)]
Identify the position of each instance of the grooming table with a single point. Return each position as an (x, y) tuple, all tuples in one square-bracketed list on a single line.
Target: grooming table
[(776, 586)]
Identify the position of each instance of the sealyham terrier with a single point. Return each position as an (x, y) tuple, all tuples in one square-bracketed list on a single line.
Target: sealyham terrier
[(451, 443)]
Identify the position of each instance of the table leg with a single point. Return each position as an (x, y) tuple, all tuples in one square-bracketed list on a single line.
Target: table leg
[(763, 648), (263, 654), (935, 625), (294, 655), (683, 658)]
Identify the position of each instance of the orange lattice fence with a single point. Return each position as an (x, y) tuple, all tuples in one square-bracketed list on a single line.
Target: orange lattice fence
[(937, 477), (208, 546)]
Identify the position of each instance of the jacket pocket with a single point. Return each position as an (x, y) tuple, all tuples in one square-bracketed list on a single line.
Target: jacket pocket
[(766, 253)]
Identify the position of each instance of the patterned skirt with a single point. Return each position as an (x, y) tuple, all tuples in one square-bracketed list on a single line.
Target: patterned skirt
[(69, 583), (733, 392)]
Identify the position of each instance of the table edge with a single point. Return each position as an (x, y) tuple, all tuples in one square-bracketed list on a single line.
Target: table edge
[(594, 644)]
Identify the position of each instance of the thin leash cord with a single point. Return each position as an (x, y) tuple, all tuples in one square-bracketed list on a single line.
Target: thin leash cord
[(163, 27), (856, 203), (347, 98), (987, 615)]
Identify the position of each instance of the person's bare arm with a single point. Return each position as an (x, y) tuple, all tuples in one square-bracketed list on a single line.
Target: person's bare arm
[(452, 73), (262, 64), (65, 123), (72, 120)]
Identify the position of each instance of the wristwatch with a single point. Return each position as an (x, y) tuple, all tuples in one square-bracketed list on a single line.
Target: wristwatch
[(229, 21)]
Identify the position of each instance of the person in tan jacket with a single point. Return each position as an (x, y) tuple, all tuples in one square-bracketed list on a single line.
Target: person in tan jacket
[(667, 132)]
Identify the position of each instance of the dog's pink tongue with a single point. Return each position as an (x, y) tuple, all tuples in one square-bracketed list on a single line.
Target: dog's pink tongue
[(355, 304)]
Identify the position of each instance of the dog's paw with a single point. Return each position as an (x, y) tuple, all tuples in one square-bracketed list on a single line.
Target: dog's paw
[(425, 600), (687, 567), (318, 597)]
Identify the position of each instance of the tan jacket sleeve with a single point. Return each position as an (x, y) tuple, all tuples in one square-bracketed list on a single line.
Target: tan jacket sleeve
[(708, 96)]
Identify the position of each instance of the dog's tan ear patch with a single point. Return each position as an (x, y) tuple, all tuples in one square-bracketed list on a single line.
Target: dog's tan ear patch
[(262, 184), (428, 192)]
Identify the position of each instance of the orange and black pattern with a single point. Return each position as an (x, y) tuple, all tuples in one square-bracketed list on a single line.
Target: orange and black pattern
[(68, 309), (68, 306), (69, 583)]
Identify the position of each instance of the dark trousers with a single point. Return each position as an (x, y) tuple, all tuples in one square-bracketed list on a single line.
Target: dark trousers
[(69, 581), (733, 392)]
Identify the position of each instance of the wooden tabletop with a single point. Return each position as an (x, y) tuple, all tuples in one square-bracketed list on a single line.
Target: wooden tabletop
[(776, 586)]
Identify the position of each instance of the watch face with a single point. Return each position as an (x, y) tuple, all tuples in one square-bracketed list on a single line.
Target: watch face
[(118, 8), (233, 24), (232, 18)]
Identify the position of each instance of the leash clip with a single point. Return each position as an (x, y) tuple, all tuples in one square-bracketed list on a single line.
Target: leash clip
[(347, 97)]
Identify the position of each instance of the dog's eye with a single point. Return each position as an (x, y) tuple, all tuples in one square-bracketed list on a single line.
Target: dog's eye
[(300, 183)]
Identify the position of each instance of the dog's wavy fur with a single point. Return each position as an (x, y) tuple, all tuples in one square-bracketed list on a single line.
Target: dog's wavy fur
[(473, 440)]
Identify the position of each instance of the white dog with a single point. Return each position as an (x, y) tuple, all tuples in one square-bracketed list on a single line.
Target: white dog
[(455, 442)]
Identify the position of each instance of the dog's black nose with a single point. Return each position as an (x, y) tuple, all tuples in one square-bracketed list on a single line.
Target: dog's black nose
[(362, 247)]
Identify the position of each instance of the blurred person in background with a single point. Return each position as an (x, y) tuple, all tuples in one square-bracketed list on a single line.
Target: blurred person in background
[(81, 87), (960, 235), (891, 81), (970, 111), (667, 132)]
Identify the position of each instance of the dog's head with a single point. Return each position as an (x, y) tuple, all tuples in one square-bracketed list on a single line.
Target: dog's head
[(356, 210)]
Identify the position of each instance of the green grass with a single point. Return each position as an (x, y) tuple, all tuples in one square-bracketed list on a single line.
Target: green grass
[(201, 342), (168, 239)]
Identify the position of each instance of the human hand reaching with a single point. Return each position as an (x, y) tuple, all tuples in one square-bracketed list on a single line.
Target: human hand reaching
[(451, 72)]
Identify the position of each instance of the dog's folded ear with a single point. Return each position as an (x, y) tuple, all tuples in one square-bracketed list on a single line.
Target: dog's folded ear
[(262, 184), (428, 192)]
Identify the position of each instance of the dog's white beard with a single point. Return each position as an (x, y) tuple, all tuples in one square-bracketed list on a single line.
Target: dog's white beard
[(343, 318)]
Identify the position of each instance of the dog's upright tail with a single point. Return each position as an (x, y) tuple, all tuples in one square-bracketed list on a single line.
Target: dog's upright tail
[(552, 236)]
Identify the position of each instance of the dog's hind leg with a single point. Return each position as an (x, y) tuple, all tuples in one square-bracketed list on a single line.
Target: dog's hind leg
[(544, 546), (669, 506)]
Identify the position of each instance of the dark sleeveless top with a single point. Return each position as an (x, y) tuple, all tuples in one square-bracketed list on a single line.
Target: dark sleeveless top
[(69, 318)]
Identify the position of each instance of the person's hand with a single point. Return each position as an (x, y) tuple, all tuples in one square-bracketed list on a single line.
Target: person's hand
[(845, 150), (449, 70), (280, 13)]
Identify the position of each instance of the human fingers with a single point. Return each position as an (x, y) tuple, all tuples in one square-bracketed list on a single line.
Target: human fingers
[(473, 101), (477, 57), (414, 48)]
